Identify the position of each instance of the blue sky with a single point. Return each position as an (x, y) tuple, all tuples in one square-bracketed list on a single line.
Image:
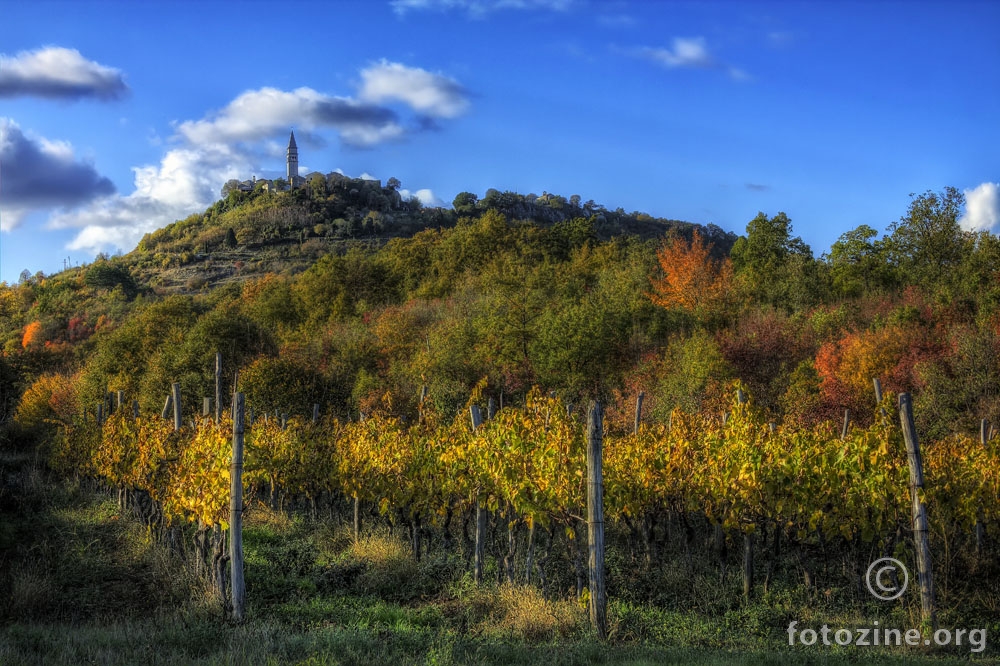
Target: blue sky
[(118, 117)]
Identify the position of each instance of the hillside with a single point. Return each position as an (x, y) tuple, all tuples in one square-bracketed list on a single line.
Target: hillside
[(247, 234), (362, 295), (736, 505)]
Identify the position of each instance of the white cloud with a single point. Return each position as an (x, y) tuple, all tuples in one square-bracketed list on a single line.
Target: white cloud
[(58, 73), (982, 208), (478, 8), (258, 114), (186, 181), (42, 174), (431, 94), (686, 52), (426, 197)]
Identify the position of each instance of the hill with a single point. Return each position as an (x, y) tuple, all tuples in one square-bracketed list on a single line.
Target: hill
[(253, 233)]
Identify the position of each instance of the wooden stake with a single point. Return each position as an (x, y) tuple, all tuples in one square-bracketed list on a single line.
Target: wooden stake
[(847, 424), (747, 565), (176, 393), (638, 411), (595, 521), (206, 406), (315, 413), (218, 387), (167, 406), (984, 438), (919, 511), (236, 512), (482, 515)]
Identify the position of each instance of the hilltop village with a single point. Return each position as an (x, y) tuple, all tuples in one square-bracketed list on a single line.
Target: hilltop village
[(292, 178)]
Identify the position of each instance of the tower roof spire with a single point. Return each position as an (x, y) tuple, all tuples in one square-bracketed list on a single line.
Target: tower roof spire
[(291, 140)]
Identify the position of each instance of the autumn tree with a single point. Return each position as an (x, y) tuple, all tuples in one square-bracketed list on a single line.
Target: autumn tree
[(32, 334), (692, 281)]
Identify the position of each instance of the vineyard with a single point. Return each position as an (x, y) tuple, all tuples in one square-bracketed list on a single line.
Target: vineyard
[(831, 495)]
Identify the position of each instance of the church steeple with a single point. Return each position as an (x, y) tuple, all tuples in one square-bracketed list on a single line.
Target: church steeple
[(292, 160)]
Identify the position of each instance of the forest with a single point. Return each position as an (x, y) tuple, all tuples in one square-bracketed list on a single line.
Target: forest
[(577, 306), (361, 328)]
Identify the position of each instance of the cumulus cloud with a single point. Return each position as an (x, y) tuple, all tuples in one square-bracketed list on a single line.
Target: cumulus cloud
[(478, 8), (982, 208), (58, 73), (42, 174), (232, 142), (426, 197), (363, 122), (431, 94), (258, 114), (187, 180)]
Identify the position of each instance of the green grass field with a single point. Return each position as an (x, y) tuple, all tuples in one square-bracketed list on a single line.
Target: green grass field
[(82, 585)]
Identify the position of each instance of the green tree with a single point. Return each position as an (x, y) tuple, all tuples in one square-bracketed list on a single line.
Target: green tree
[(104, 274), (927, 243), (465, 203), (774, 267), (858, 262)]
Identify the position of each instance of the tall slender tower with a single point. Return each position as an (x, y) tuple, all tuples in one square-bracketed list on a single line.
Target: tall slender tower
[(292, 161)]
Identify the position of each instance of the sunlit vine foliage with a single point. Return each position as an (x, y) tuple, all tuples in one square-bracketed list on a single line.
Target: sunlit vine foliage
[(528, 462)]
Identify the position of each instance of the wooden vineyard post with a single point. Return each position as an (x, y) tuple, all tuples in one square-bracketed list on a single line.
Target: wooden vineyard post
[(920, 540), (206, 406), (847, 424), (748, 555), (595, 521), (984, 440), (315, 418), (167, 405), (638, 410), (878, 394), (218, 387), (482, 517), (135, 409), (176, 396), (236, 512)]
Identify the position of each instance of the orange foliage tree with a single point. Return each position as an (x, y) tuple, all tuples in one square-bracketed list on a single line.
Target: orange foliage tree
[(32, 334), (692, 280)]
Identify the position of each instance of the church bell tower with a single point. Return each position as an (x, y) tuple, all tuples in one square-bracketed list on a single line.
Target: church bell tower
[(292, 161)]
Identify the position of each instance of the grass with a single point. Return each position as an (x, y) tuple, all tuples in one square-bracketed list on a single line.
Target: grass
[(80, 584)]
